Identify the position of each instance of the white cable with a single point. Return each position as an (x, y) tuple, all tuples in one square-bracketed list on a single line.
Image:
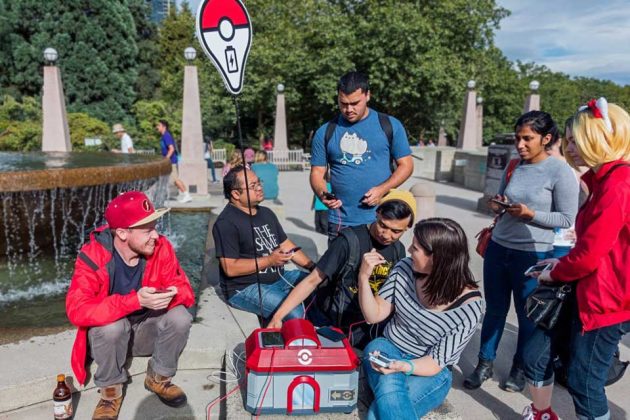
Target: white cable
[(232, 373), (293, 287)]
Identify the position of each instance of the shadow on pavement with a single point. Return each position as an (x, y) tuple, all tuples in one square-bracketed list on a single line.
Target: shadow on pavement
[(301, 224)]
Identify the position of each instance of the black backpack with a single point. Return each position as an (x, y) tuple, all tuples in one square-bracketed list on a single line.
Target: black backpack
[(386, 126), (337, 291)]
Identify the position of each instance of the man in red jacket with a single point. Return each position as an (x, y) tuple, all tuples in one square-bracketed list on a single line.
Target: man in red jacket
[(129, 293)]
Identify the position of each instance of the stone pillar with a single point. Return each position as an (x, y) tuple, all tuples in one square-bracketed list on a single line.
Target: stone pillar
[(479, 142), (280, 128), (467, 138), (193, 169), (442, 141), (532, 102), (55, 131), (425, 207)]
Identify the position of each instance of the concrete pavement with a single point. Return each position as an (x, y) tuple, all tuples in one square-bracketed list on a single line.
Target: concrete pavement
[(29, 367)]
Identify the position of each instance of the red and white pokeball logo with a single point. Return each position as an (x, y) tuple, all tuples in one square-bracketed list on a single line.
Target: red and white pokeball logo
[(224, 31), (305, 357)]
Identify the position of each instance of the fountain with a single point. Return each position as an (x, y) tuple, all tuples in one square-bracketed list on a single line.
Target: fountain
[(49, 201)]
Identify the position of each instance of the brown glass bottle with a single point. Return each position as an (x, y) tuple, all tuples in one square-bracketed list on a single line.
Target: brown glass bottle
[(62, 399)]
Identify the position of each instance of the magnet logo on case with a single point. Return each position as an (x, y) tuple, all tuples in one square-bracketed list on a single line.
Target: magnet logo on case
[(224, 31)]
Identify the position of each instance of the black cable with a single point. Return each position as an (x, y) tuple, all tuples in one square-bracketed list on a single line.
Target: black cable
[(249, 204)]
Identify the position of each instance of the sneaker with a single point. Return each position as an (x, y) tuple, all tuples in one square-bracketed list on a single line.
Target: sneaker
[(531, 413), (109, 405), (169, 393), (482, 372), (184, 198), (516, 381)]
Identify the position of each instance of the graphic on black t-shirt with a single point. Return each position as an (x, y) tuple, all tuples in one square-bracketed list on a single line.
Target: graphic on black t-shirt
[(379, 274), (266, 241)]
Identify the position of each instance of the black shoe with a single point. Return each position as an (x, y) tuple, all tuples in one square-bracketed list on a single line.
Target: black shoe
[(482, 372), (516, 381)]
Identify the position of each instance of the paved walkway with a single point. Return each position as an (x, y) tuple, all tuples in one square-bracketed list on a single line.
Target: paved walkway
[(28, 366)]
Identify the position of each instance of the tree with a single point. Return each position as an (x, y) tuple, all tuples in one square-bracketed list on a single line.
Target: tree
[(97, 52), (148, 52)]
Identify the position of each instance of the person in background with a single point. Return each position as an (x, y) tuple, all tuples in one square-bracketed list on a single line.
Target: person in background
[(208, 156), (598, 266), (321, 211), (126, 145), (236, 159), (541, 195), (267, 144), (436, 308), (250, 156), (268, 173), (169, 151)]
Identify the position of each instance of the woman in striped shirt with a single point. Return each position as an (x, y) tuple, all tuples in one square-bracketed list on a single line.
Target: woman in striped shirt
[(436, 310)]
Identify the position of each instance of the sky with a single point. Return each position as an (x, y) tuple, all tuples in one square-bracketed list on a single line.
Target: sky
[(588, 38), (576, 37)]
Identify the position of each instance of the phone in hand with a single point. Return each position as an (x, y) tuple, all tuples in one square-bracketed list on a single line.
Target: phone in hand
[(537, 268), (380, 360), (329, 196), (293, 250), (501, 203), (161, 291)]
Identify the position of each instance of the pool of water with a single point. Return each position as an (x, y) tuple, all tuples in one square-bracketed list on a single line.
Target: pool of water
[(32, 295), (18, 161)]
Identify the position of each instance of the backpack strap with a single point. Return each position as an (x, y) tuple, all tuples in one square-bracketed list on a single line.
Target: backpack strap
[(464, 298), (330, 130), (348, 271)]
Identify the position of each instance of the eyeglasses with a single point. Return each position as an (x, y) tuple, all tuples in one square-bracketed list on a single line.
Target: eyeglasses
[(252, 186)]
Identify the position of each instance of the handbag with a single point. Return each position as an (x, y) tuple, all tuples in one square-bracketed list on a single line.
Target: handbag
[(484, 236), (544, 305)]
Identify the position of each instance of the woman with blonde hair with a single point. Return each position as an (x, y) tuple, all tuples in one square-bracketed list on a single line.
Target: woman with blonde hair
[(236, 159), (598, 266)]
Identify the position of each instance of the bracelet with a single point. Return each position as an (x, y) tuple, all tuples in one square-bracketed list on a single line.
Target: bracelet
[(311, 266), (410, 363)]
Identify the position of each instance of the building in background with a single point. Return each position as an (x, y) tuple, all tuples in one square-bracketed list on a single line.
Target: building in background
[(160, 9)]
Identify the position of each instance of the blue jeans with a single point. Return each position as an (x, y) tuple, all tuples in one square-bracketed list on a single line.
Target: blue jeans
[(212, 171), (591, 355), (401, 397), (272, 296), (503, 277)]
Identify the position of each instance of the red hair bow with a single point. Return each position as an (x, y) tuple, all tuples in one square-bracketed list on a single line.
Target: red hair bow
[(592, 105)]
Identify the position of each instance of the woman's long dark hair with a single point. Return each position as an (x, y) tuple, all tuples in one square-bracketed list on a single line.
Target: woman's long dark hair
[(445, 240)]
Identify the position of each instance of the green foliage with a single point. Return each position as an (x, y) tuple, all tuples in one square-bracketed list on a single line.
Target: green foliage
[(21, 136), (83, 126), (97, 52)]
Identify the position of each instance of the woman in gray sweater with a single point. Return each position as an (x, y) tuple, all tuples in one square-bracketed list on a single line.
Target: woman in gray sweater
[(540, 196)]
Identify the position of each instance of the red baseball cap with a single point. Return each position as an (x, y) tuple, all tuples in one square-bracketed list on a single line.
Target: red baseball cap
[(131, 209)]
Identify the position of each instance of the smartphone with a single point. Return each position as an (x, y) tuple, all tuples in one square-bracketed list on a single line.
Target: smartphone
[(161, 291), (271, 339), (331, 334), (329, 196), (501, 203), (293, 250), (380, 360), (537, 268)]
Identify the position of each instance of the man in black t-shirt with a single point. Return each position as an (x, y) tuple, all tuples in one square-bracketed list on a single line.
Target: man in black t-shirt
[(335, 300), (247, 244)]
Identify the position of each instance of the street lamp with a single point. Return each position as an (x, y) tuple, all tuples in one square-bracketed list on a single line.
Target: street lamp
[(50, 55), (190, 53), (471, 84), (479, 100), (534, 85), (280, 88)]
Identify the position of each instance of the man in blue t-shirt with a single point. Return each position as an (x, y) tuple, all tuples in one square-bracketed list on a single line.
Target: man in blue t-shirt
[(169, 151), (359, 153)]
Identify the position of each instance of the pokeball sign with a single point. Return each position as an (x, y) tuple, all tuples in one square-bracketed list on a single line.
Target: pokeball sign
[(224, 31)]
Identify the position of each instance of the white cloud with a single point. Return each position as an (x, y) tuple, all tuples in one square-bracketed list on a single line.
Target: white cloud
[(577, 37)]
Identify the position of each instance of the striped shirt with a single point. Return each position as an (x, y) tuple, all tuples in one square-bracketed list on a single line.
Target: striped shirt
[(420, 332)]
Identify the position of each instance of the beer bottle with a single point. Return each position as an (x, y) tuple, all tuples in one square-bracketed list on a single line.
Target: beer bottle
[(62, 399)]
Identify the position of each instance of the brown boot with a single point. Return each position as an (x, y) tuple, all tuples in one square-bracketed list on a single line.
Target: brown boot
[(168, 393), (109, 405)]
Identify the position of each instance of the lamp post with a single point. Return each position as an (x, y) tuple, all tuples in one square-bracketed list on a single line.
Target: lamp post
[(467, 138), (55, 130), (280, 128), (193, 168), (532, 102), (479, 121)]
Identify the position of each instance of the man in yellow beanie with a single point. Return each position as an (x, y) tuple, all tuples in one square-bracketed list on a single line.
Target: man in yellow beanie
[(335, 302)]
